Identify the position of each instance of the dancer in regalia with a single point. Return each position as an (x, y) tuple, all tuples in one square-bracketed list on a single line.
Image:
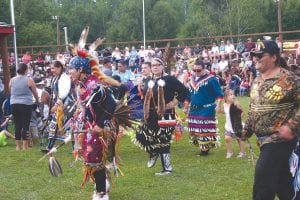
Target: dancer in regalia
[(204, 98), (97, 107), (61, 96), (102, 115), (162, 92), (93, 142)]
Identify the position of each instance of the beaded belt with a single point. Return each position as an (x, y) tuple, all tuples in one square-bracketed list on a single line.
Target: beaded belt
[(198, 107)]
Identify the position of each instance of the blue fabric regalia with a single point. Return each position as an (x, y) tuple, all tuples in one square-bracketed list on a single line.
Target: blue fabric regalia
[(202, 123)]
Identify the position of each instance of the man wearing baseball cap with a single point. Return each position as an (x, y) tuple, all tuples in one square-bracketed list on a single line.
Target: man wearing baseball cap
[(274, 118)]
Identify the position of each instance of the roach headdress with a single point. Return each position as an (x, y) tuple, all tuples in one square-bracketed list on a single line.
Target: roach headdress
[(88, 60)]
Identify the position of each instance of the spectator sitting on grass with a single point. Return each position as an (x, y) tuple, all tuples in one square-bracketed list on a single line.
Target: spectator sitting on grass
[(3, 131)]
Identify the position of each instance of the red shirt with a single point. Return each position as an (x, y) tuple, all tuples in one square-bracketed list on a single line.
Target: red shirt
[(26, 58)]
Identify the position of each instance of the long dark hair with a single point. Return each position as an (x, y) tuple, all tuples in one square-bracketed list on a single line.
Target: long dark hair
[(58, 64), (22, 68)]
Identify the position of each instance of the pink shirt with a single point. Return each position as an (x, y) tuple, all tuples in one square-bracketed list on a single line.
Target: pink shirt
[(89, 85), (26, 58)]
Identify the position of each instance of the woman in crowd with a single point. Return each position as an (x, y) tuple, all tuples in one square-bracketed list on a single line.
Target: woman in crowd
[(60, 95), (22, 88), (162, 92), (204, 91)]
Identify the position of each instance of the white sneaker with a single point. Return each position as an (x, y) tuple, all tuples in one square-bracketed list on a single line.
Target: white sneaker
[(229, 155), (99, 196), (162, 173), (241, 155)]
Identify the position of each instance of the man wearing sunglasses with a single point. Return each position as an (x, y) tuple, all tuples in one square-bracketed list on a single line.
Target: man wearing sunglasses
[(274, 117)]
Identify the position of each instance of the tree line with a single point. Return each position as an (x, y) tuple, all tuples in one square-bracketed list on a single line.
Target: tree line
[(121, 20)]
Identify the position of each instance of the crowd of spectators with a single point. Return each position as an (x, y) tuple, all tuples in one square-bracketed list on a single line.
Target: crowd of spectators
[(230, 62)]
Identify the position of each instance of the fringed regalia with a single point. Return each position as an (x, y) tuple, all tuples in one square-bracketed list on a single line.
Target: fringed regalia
[(100, 115), (61, 89), (150, 136), (97, 104), (97, 107), (202, 123), (100, 108)]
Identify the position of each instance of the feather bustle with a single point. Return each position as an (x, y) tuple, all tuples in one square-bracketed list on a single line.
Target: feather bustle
[(122, 114)]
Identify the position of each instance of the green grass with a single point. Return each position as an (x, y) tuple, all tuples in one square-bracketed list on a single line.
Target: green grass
[(212, 177)]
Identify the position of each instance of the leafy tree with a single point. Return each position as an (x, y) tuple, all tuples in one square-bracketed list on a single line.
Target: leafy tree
[(162, 21), (291, 17), (198, 22), (121, 20), (269, 16), (126, 22), (241, 16), (32, 22), (5, 12), (37, 34)]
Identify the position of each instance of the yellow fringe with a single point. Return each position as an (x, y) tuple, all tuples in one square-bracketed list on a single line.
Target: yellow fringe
[(59, 116), (102, 77), (88, 173)]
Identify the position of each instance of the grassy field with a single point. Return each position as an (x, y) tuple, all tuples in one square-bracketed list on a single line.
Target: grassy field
[(213, 177)]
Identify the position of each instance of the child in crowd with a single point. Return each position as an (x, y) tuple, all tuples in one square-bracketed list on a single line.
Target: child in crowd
[(244, 87), (35, 125), (233, 123), (40, 112), (3, 130)]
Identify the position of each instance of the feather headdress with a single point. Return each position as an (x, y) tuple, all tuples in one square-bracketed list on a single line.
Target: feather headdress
[(167, 53), (88, 59)]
